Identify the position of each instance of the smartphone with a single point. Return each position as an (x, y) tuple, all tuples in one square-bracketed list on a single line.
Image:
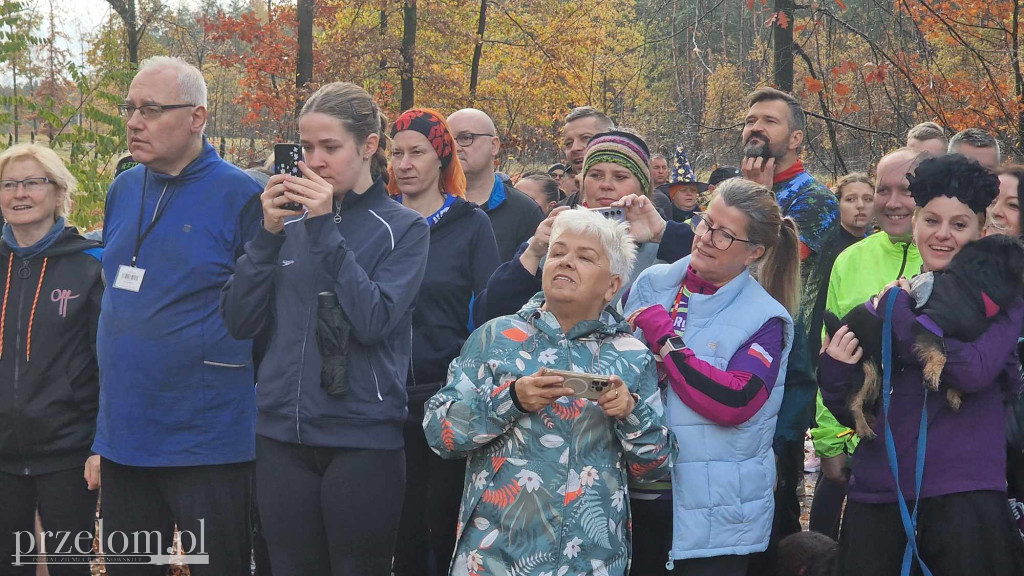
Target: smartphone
[(612, 213), (583, 385), (286, 161)]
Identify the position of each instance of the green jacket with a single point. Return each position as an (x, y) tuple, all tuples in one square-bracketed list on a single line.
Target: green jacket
[(546, 491), (860, 272)]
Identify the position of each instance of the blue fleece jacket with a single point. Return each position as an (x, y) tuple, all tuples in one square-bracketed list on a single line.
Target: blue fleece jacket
[(463, 254), (175, 388), (374, 260)]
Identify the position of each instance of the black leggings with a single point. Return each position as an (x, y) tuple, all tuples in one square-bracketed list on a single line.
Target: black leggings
[(433, 492), (65, 505), (827, 507), (329, 511)]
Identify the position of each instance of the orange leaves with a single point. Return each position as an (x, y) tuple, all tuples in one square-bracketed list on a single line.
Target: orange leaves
[(813, 85), (841, 5), (841, 89), (779, 18), (875, 73)]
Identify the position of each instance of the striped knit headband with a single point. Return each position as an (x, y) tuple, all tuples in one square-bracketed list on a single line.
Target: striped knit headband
[(427, 123), (622, 148)]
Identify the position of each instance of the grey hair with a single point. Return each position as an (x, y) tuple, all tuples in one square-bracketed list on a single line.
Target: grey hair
[(657, 155), (974, 137), (191, 84), (614, 237), (926, 131), (603, 121)]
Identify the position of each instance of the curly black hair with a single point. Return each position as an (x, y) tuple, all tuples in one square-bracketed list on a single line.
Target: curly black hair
[(954, 176)]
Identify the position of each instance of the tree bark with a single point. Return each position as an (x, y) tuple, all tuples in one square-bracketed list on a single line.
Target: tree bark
[(304, 62), (408, 51), (782, 72), (1018, 76), (126, 10), (474, 73)]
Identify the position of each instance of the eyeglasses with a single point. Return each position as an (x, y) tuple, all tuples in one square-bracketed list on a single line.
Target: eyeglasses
[(719, 238), (30, 184), (466, 138), (149, 111)]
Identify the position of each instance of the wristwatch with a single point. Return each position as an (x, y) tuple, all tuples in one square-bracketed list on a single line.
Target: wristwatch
[(673, 344)]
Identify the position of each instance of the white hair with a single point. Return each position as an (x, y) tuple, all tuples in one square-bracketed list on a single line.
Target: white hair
[(614, 237), (191, 84)]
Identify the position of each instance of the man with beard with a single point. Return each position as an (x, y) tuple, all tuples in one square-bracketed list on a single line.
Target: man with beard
[(773, 136)]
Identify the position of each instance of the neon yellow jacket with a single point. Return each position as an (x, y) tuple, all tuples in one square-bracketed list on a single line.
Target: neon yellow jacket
[(859, 273)]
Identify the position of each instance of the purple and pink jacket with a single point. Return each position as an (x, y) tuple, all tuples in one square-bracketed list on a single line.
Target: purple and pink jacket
[(966, 450), (726, 397)]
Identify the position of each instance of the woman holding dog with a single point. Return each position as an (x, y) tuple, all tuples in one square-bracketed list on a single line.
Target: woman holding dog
[(724, 339), (963, 523)]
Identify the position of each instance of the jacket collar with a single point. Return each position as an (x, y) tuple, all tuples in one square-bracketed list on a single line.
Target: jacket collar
[(609, 324)]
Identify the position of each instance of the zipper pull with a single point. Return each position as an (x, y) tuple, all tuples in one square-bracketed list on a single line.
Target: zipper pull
[(25, 271), (670, 565)]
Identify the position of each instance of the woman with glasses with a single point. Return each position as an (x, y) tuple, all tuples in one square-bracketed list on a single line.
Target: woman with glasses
[(723, 338), (50, 292)]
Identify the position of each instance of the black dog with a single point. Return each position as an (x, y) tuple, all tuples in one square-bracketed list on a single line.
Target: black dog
[(985, 277)]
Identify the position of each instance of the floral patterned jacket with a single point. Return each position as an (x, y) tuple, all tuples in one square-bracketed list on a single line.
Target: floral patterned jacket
[(546, 492)]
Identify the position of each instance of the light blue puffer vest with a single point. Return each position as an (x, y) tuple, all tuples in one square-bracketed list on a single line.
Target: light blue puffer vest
[(723, 479)]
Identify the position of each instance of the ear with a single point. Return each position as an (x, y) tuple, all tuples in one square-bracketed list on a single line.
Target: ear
[(198, 119), (495, 146), (613, 287), (755, 253), (551, 206), (371, 145), (796, 138)]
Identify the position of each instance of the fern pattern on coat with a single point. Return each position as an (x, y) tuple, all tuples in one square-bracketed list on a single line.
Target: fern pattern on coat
[(546, 492)]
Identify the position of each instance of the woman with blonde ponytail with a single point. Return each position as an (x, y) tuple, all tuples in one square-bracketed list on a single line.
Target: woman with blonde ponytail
[(723, 333)]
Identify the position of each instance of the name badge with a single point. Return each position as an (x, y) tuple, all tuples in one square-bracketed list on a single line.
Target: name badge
[(129, 278)]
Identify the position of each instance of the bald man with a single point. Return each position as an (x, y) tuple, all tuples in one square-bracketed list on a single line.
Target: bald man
[(514, 215)]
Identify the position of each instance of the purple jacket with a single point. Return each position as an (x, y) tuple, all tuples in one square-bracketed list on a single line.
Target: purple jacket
[(967, 449)]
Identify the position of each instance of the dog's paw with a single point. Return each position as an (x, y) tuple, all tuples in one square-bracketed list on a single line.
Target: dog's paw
[(866, 433), (932, 373), (955, 399)]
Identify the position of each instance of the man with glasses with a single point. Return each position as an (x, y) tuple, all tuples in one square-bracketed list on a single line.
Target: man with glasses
[(177, 410), (514, 215)]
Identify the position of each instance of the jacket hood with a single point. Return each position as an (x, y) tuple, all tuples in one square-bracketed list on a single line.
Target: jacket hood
[(609, 324), (70, 241)]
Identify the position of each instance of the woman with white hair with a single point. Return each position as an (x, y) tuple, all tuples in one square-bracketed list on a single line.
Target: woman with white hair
[(546, 475)]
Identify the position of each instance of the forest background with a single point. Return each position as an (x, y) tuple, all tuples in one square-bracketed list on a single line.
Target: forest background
[(676, 71)]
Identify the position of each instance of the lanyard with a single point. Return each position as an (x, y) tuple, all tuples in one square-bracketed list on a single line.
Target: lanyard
[(158, 211), (679, 299)]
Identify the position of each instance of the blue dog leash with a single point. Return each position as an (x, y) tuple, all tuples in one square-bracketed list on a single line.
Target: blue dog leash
[(911, 552)]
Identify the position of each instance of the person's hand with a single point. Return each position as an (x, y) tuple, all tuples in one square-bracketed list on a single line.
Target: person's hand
[(538, 249), (645, 224), (312, 191), (632, 317), (272, 198), (759, 170), (539, 389), (844, 346), (900, 284), (836, 469), (617, 402), (92, 472)]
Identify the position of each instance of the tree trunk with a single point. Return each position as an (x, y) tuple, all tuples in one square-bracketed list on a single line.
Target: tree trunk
[(1018, 76), (474, 73), (304, 62), (383, 36), (17, 121), (408, 51), (126, 10), (782, 41)]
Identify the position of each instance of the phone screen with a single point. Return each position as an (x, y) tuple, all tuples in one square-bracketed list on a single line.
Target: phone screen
[(286, 159)]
